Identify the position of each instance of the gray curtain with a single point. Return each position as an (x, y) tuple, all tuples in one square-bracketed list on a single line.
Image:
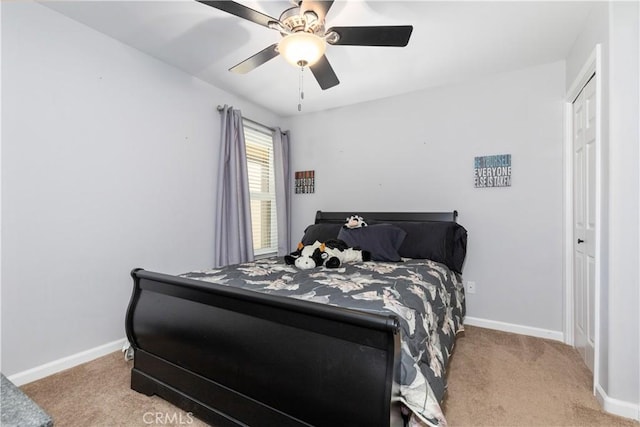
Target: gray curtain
[(233, 241), (283, 189)]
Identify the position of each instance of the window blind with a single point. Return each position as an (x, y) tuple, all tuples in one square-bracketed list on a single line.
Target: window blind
[(259, 145)]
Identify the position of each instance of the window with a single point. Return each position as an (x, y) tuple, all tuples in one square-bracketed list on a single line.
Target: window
[(262, 190)]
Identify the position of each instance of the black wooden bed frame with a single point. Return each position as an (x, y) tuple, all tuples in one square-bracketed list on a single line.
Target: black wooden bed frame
[(236, 357)]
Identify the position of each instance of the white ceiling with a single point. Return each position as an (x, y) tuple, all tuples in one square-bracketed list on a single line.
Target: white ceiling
[(452, 41)]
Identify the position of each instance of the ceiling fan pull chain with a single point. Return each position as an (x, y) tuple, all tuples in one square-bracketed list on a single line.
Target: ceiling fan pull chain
[(300, 88)]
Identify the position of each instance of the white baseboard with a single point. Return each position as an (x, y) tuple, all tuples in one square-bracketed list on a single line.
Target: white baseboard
[(617, 407), (513, 328), (59, 365)]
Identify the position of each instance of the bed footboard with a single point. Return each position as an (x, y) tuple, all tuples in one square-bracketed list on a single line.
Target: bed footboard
[(236, 357)]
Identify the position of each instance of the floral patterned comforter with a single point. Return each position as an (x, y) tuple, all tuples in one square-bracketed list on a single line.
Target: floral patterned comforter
[(426, 296)]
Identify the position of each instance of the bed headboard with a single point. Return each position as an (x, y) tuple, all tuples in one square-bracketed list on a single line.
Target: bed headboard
[(340, 217), (432, 235)]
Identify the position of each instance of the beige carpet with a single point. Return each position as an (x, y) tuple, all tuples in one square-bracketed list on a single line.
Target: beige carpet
[(495, 379), (502, 379)]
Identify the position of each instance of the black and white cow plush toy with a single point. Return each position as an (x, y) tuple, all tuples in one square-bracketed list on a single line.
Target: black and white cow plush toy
[(332, 254), (339, 252), (306, 257), (355, 221)]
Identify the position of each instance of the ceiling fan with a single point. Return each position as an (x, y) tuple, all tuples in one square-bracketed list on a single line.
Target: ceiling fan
[(304, 37)]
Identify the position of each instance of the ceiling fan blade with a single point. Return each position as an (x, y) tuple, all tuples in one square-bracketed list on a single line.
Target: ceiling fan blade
[(324, 74), (241, 11), (319, 7), (395, 35), (256, 60)]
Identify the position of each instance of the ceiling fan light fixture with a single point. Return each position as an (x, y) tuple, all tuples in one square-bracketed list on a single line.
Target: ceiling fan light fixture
[(302, 49)]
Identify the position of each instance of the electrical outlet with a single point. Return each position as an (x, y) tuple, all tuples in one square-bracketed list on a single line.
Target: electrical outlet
[(471, 287)]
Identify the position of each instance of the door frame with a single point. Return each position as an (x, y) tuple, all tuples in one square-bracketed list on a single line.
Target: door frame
[(591, 66)]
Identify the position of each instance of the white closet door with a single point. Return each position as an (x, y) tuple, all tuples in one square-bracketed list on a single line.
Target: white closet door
[(584, 220)]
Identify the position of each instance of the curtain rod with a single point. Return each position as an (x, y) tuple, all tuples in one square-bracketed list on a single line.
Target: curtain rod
[(221, 108)]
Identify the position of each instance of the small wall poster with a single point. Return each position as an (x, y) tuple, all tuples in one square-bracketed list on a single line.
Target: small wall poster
[(492, 171), (305, 182)]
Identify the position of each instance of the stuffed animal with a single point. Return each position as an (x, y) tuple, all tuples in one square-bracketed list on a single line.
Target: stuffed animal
[(331, 254), (306, 257), (355, 221), (339, 253)]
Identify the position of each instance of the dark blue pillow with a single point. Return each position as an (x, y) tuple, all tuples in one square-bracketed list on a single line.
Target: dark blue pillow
[(382, 240), (439, 241), (320, 232)]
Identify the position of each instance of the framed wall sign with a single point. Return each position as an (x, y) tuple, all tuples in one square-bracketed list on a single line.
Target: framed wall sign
[(305, 182), (492, 171)]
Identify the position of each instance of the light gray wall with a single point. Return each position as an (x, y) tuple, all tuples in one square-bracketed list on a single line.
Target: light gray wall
[(415, 153), (614, 26), (108, 163), (624, 162)]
